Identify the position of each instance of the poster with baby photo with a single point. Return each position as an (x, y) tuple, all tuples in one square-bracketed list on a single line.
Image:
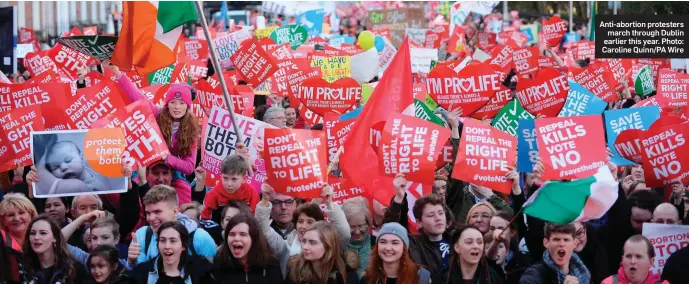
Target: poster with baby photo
[(78, 162)]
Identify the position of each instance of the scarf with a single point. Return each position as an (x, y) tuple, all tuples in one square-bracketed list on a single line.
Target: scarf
[(650, 279), (576, 268), (363, 248)]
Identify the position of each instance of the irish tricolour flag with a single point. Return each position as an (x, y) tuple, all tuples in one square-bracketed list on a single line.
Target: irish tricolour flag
[(150, 32), (575, 201)]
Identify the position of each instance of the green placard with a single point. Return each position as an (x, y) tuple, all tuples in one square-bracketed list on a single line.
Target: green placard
[(508, 118), (423, 112), (292, 34), (99, 47), (161, 76), (643, 85), (430, 103)]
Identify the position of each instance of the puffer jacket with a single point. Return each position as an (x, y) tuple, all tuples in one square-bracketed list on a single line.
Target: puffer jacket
[(233, 274)]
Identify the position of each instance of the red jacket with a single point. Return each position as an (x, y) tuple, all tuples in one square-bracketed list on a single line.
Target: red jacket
[(219, 197)]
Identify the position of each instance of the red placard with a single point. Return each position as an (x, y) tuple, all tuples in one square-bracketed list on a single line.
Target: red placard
[(281, 52), (545, 94), (145, 143), (486, 40), (91, 31), (484, 156), (335, 133), (554, 30), (469, 90), (526, 60), (198, 69), (628, 145), (194, 49), (93, 103), (209, 94), (47, 77), (598, 79), (287, 80), (673, 87), (17, 125), (433, 39), (571, 147), (51, 97), (321, 97), (410, 146), (39, 62), (68, 61), (296, 161), (156, 93), (502, 56), (519, 38), (494, 106), (665, 153), (344, 189), (620, 67), (7, 155), (310, 117), (584, 49), (253, 63)]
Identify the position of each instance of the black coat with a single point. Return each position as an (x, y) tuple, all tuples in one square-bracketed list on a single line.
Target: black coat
[(517, 266), (486, 273), (197, 268), (539, 273), (268, 274), (594, 255), (675, 270)]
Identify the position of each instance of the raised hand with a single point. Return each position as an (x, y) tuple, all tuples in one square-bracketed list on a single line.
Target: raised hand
[(134, 249), (400, 184)]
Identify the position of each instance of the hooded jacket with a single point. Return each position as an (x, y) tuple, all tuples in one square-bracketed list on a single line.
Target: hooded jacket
[(622, 279), (203, 242)]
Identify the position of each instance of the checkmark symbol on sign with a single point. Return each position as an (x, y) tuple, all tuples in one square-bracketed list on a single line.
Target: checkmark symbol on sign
[(513, 111), (95, 39)]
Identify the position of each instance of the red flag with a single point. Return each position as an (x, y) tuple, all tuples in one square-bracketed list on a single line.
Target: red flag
[(393, 94)]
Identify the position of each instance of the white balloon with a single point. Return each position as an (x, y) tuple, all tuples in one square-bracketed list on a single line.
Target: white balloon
[(364, 65)]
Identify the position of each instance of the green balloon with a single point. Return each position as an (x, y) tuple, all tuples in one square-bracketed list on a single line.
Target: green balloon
[(367, 40)]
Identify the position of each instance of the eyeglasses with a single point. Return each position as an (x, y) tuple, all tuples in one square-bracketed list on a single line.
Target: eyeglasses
[(580, 233), (277, 202), (362, 228)]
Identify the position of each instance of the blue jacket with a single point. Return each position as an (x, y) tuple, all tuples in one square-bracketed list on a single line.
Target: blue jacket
[(203, 242)]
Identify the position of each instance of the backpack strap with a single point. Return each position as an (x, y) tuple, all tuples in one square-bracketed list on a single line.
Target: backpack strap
[(191, 244), (615, 279), (149, 237), (424, 276)]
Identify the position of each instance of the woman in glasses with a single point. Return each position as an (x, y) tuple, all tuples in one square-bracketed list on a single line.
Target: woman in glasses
[(358, 249), (591, 251)]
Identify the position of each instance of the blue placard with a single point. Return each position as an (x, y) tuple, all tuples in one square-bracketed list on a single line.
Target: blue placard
[(572, 37), (312, 21), (580, 101), (528, 32), (629, 118), (340, 39), (527, 150)]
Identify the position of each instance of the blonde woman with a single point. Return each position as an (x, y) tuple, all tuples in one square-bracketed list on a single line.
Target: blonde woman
[(360, 224), (16, 212)]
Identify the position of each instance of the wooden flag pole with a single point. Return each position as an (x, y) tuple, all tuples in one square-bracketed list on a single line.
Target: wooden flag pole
[(221, 78)]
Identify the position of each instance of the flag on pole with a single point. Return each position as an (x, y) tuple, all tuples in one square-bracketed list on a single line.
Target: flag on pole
[(150, 32), (392, 94), (576, 201), (223, 15), (592, 24)]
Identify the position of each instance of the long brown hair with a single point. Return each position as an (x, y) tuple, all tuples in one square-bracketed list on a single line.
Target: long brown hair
[(260, 253), (408, 272), (187, 134), (63, 259), (301, 270)]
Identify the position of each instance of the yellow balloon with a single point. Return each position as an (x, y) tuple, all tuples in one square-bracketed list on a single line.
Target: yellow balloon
[(367, 40)]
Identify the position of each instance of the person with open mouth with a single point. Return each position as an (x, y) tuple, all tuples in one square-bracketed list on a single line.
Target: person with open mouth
[(16, 211), (174, 264), (245, 256), (48, 260), (390, 260), (467, 262), (637, 261), (560, 264)]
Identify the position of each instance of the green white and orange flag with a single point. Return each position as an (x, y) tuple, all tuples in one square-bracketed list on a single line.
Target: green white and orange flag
[(150, 32)]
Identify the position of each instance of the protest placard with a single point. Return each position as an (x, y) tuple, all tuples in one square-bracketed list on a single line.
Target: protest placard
[(397, 21), (311, 118), (228, 44), (264, 33), (571, 147), (666, 239), (486, 40), (292, 34), (175, 73), (78, 162), (93, 103), (643, 84), (39, 62), (96, 46), (91, 31), (335, 133), (620, 120), (471, 89), (17, 125), (51, 97), (68, 61), (385, 55), (554, 30), (527, 147), (628, 145), (198, 69), (620, 67), (333, 68), (410, 146), (337, 40), (422, 111), (7, 155), (421, 59), (584, 49), (194, 49), (254, 63), (581, 101), (209, 94), (287, 80), (673, 86), (508, 117), (665, 152), (416, 36), (598, 79), (322, 97), (526, 60), (545, 94), (484, 156), (344, 189), (495, 104), (145, 143), (502, 56), (296, 161)]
